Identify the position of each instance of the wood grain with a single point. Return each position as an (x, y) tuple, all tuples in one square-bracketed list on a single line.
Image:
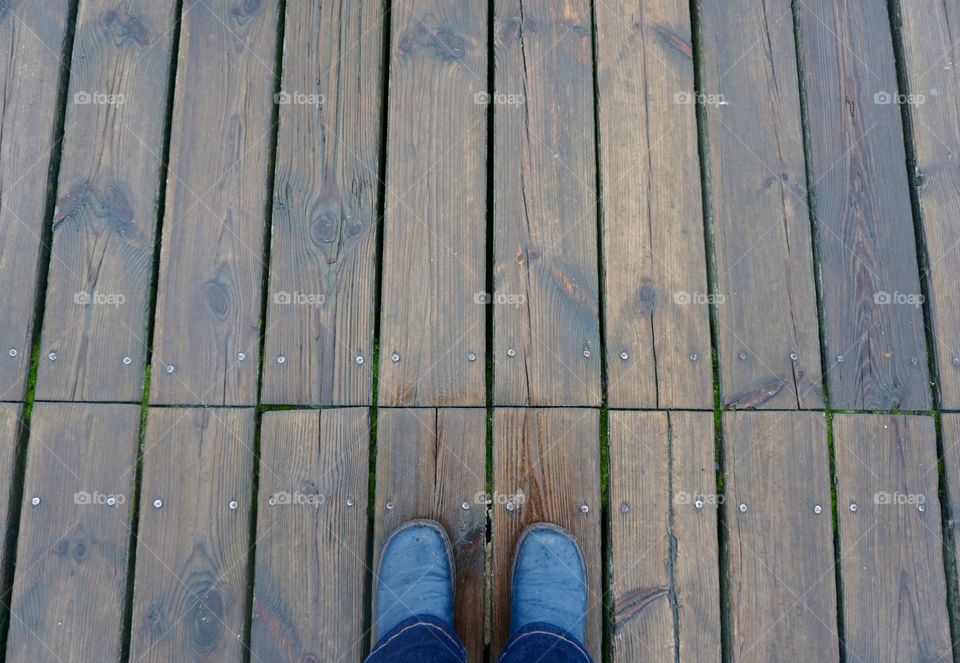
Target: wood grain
[(873, 325), (9, 490), (189, 595), (309, 592), (101, 264), (767, 329), (545, 301), (781, 579), (432, 317), (950, 460), (32, 37), (658, 348), (320, 304), (71, 578), (894, 591), (208, 299)]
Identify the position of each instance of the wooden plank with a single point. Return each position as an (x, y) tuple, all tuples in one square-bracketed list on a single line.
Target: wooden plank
[(551, 456), (767, 328), (207, 330), (71, 578), (658, 347), (930, 62), (189, 597), (32, 35), (309, 592), (891, 549), (320, 304), (9, 450), (950, 424), (781, 581), (430, 463), (875, 345), (434, 224), (546, 301), (98, 291)]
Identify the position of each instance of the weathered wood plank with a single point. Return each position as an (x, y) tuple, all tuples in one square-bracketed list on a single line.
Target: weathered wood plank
[(68, 592), (430, 463), (98, 290), (782, 588), (309, 591), (32, 36), (552, 457), (658, 345), (207, 327), (9, 438), (545, 301), (950, 424), (320, 305), (766, 305), (190, 591), (875, 345), (894, 591), (432, 320)]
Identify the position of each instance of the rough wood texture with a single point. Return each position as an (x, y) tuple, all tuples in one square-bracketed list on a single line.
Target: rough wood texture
[(434, 244), (875, 345), (320, 302), (545, 300), (190, 590), (309, 593), (894, 591), (71, 577), (653, 243), (429, 464), (767, 328), (98, 292), (32, 39), (782, 590), (208, 301), (951, 470), (552, 457), (9, 492)]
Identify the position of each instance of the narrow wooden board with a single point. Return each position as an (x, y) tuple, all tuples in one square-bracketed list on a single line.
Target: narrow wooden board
[(9, 491), (766, 304), (552, 456), (320, 304), (32, 36), (430, 463), (950, 424), (434, 248), (71, 578), (658, 347), (780, 561), (891, 553), (546, 301), (875, 345), (309, 593), (189, 599), (931, 65), (207, 327), (98, 291)]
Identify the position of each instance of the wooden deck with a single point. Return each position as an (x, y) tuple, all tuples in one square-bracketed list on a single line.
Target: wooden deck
[(278, 275)]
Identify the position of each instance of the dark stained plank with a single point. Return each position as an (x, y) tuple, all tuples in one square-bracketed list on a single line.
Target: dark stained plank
[(551, 457), (98, 294), (308, 601), (9, 437), (68, 592), (767, 328), (950, 424), (32, 38), (891, 550), (781, 582), (874, 343), (545, 301), (432, 464), (432, 322), (190, 591), (320, 303), (207, 328), (658, 346)]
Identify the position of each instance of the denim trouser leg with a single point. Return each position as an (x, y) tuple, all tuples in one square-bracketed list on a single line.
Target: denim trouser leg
[(543, 643), (419, 640)]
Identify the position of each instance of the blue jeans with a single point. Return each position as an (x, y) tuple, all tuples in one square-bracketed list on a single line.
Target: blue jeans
[(427, 640)]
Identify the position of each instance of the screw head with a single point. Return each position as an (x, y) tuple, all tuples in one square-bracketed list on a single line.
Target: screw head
[(359, 360), (624, 507), (472, 356), (794, 356), (465, 506), (743, 508), (510, 506), (12, 352), (921, 508), (818, 509), (111, 500), (853, 507), (272, 501), (233, 505), (624, 356), (914, 361), (171, 368), (389, 506), (157, 503), (35, 501), (840, 359), (350, 501), (584, 508), (694, 356), (511, 352), (241, 356), (127, 361), (281, 359), (586, 352), (395, 357), (955, 361), (698, 503), (742, 356), (52, 356)]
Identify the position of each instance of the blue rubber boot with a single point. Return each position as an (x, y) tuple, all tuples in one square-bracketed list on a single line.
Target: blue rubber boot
[(549, 581), (414, 577)]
